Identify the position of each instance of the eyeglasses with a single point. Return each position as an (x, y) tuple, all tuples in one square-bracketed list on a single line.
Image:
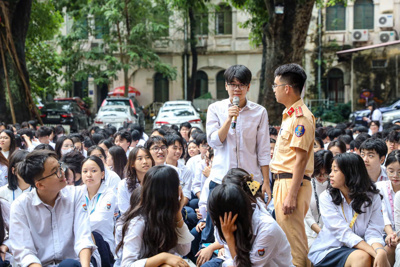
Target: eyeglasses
[(156, 148), (393, 173), (274, 86), (238, 86), (325, 175), (204, 146), (61, 168)]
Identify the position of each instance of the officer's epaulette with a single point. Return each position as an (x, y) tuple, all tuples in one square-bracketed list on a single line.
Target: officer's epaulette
[(299, 112)]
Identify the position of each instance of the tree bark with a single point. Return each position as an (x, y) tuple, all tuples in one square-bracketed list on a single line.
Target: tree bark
[(285, 37), (193, 41)]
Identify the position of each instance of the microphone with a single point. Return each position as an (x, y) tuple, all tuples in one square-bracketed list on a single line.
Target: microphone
[(235, 101)]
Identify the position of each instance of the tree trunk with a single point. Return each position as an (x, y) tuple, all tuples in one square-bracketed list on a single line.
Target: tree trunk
[(193, 41), (285, 37), (18, 13)]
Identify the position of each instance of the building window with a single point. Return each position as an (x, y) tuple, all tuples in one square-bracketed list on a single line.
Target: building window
[(161, 17), (81, 88), (201, 23), (221, 91), (336, 18), (223, 19), (161, 88), (363, 14), (101, 26), (335, 86), (201, 84)]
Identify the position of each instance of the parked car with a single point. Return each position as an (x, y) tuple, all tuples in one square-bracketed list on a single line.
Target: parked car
[(176, 115), (82, 105), (357, 116), (130, 102), (179, 103), (116, 115), (391, 116), (67, 113)]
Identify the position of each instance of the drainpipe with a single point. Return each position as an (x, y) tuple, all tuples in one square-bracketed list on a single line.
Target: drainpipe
[(319, 53)]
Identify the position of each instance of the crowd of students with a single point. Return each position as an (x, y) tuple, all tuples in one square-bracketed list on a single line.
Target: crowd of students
[(118, 197)]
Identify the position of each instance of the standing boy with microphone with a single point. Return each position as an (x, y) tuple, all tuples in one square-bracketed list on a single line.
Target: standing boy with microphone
[(238, 131)]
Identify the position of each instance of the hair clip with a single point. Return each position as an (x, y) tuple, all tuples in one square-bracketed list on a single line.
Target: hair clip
[(253, 186)]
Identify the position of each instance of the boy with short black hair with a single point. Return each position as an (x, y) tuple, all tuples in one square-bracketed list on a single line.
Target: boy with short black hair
[(123, 139), (373, 152)]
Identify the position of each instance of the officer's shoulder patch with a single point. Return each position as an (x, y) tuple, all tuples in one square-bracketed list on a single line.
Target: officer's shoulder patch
[(299, 112)]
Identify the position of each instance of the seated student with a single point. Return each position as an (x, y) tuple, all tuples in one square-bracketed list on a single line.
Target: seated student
[(346, 139), (43, 135), (157, 132), (139, 162), (158, 214), (111, 178), (318, 144), (200, 177), (116, 160), (251, 237), (392, 141), (73, 162), (192, 150), (337, 147), (198, 161), (78, 144), (355, 147), (351, 213), (64, 145), (3, 170), (16, 185), (320, 182), (100, 202), (184, 130), (388, 190), (373, 152), (5, 258), (158, 148), (124, 140), (47, 225), (136, 139), (374, 127), (273, 132)]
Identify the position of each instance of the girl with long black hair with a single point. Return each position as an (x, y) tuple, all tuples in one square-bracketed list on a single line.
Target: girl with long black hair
[(7, 143), (351, 210), (154, 230)]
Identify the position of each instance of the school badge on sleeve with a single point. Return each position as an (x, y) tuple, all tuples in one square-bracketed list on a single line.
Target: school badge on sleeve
[(261, 252), (300, 130)]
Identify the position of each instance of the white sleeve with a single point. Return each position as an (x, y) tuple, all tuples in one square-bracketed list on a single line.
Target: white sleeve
[(123, 197), (133, 241), (375, 227), (263, 141), (397, 211), (196, 183), (212, 127), (185, 239), (204, 197), (186, 182), (309, 219), (335, 223)]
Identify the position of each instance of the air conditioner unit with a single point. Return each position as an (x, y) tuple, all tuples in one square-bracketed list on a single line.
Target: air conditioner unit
[(359, 35), (201, 41), (385, 21), (388, 36)]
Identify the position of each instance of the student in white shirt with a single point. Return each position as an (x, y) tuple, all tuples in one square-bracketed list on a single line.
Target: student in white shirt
[(192, 150), (64, 145), (4, 229), (49, 225), (184, 130), (373, 151), (100, 202), (388, 190), (111, 178), (352, 217), (7, 143), (157, 215), (16, 185), (319, 182), (251, 237), (3, 170), (73, 161), (139, 162), (124, 140), (116, 160)]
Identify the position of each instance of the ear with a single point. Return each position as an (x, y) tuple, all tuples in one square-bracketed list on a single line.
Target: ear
[(382, 159), (103, 174), (39, 185)]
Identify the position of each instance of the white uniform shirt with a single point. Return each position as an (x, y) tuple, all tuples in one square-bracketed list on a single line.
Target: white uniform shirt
[(101, 212), (270, 245), (383, 176), (245, 147), (185, 179), (5, 212), (5, 153), (3, 175), (387, 208), (313, 215), (43, 234), (199, 178), (193, 162), (11, 195), (111, 179), (397, 211), (336, 232), (124, 196), (133, 242)]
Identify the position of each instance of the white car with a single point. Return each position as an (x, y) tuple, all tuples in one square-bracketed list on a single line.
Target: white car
[(176, 115), (114, 115)]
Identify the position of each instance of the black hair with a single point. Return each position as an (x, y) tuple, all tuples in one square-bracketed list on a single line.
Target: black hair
[(59, 129), (172, 138), (377, 123), (201, 139), (240, 177), (59, 144), (393, 137), (131, 175), (135, 134), (138, 128), (292, 74), (340, 144), (238, 72), (321, 133), (111, 130), (14, 159), (124, 135), (360, 129), (98, 161), (361, 188), (185, 124), (155, 140), (94, 128), (33, 123), (158, 206), (28, 132), (76, 136), (319, 142), (43, 131), (362, 137), (355, 144), (335, 132), (32, 167), (272, 141), (174, 128), (393, 156), (44, 147), (12, 140), (18, 141), (273, 131), (88, 142), (99, 148), (24, 124), (119, 160), (374, 106), (346, 139), (159, 130), (376, 145), (226, 198), (107, 142), (322, 160), (74, 161), (97, 137)]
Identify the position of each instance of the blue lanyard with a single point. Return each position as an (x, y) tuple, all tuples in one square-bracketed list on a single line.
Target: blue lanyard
[(97, 200), (14, 193)]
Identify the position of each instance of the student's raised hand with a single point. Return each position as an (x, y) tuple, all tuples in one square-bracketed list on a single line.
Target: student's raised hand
[(233, 111), (228, 225)]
